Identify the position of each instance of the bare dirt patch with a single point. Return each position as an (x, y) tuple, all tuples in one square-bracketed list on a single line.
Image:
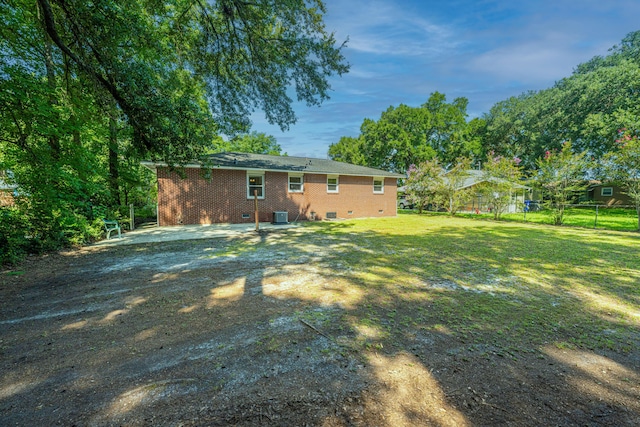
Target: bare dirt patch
[(271, 329)]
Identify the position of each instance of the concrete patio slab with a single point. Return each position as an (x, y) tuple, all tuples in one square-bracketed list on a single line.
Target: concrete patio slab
[(189, 232)]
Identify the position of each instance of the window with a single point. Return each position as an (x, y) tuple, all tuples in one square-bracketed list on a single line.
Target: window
[(296, 184), (606, 191), (378, 185), (332, 184), (255, 182)]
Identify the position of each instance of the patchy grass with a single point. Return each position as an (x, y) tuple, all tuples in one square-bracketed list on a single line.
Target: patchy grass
[(513, 287), (414, 320)]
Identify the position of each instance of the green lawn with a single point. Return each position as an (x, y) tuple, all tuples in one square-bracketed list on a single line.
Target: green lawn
[(608, 218), (511, 286)]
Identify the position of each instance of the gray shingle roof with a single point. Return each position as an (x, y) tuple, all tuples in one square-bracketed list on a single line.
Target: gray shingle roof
[(292, 164)]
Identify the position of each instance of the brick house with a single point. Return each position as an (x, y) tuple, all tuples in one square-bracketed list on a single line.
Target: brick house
[(221, 190)]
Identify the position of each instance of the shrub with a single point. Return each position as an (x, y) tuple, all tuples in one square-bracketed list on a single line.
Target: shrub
[(14, 227)]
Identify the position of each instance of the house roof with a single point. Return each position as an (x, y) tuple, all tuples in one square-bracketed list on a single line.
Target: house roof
[(477, 176), (264, 162), (474, 177)]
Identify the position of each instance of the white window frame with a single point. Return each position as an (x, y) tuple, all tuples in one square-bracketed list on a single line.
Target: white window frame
[(301, 183), (337, 184), (249, 186), (381, 189), (609, 191)]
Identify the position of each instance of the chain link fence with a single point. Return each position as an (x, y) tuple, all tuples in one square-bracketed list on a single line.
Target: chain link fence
[(618, 217)]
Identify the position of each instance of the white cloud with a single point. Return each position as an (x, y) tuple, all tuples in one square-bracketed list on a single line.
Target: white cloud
[(538, 49), (485, 50), (387, 28), (524, 64)]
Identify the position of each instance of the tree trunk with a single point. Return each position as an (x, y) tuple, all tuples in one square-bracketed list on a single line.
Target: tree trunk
[(54, 141), (72, 118), (114, 176), (560, 215)]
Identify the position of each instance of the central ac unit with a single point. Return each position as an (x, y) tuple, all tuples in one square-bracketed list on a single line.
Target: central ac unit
[(280, 217)]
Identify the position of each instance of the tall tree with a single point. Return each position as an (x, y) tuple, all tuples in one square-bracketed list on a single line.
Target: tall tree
[(254, 142), (158, 59), (349, 150), (511, 128), (398, 139), (112, 147), (446, 130), (589, 103), (407, 135), (584, 108), (170, 75)]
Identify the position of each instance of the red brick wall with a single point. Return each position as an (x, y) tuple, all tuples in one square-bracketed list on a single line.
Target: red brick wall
[(223, 198)]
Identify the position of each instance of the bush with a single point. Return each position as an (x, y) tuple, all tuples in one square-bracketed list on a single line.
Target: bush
[(40, 231), (79, 230), (14, 228)]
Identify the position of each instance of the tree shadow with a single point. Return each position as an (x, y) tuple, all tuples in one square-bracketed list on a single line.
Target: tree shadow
[(342, 325)]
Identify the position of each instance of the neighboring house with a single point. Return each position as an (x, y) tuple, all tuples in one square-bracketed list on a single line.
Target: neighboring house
[(222, 190), (479, 203), (7, 191), (608, 194)]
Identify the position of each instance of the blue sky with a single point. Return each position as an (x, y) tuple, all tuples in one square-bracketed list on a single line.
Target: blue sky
[(484, 50)]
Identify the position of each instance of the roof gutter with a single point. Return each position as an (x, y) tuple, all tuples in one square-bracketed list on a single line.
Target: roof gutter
[(153, 166)]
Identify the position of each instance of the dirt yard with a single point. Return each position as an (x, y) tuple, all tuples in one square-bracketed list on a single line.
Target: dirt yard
[(268, 329)]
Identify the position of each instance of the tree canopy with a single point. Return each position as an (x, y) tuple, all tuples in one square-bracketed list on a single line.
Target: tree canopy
[(587, 108), (622, 166), (254, 142), (407, 135), (182, 69), (88, 89)]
